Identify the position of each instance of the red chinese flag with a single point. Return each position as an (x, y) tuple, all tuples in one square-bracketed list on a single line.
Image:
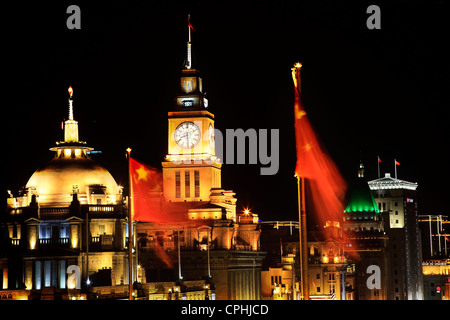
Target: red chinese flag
[(189, 22), (146, 189), (190, 26), (397, 163), (325, 187), (379, 160)]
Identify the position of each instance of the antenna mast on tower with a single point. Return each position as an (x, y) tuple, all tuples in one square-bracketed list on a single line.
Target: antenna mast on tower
[(189, 45), (70, 103)]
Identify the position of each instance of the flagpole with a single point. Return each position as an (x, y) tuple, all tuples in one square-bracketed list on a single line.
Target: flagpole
[(189, 27), (209, 263), (180, 277), (303, 238), (303, 246), (189, 49), (378, 166), (130, 228), (395, 168)]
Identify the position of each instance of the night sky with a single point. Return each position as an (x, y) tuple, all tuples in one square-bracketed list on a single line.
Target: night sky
[(367, 92)]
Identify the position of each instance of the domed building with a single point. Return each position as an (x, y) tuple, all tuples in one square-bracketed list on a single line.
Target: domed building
[(71, 171), (367, 242), (362, 205), (71, 215), (56, 182)]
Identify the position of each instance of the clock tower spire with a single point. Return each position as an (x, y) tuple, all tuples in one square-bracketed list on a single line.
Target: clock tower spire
[(189, 45), (191, 168)]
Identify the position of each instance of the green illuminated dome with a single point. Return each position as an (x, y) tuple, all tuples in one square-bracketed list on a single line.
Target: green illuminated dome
[(362, 204)]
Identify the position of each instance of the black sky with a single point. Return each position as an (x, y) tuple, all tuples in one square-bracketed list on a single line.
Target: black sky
[(367, 92)]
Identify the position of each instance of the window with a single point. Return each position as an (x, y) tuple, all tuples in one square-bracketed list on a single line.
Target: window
[(187, 184), (47, 273), (197, 183), (396, 212), (384, 206), (275, 280), (37, 275), (62, 274), (177, 184)]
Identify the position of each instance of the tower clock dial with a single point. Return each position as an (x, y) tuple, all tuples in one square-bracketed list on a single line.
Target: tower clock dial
[(187, 135)]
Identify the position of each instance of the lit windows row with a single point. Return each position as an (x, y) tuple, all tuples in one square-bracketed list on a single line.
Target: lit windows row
[(187, 184)]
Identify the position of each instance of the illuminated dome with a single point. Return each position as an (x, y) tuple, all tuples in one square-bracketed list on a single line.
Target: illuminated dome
[(55, 183), (362, 204), (72, 171)]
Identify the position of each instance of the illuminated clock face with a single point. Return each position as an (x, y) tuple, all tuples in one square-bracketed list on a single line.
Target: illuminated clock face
[(187, 135), (211, 136)]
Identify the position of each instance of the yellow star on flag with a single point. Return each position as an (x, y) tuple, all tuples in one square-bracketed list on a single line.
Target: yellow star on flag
[(300, 114), (307, 147), (142, 174)]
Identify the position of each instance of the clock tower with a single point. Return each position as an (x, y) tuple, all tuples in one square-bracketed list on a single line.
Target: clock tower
[(213, 240), (190, 168)]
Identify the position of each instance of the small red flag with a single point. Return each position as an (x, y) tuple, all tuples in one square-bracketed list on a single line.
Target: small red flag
[(189, 23), (447, 239), (379, 160), (397, 163)]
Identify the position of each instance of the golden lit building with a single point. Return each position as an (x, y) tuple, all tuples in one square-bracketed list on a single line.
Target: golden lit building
[(213, 241), (435, 252), (327, 264), (70, 213), (436, 279)]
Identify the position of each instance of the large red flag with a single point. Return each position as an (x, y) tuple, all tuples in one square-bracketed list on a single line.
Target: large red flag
[(325, 187), (146, 187)]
